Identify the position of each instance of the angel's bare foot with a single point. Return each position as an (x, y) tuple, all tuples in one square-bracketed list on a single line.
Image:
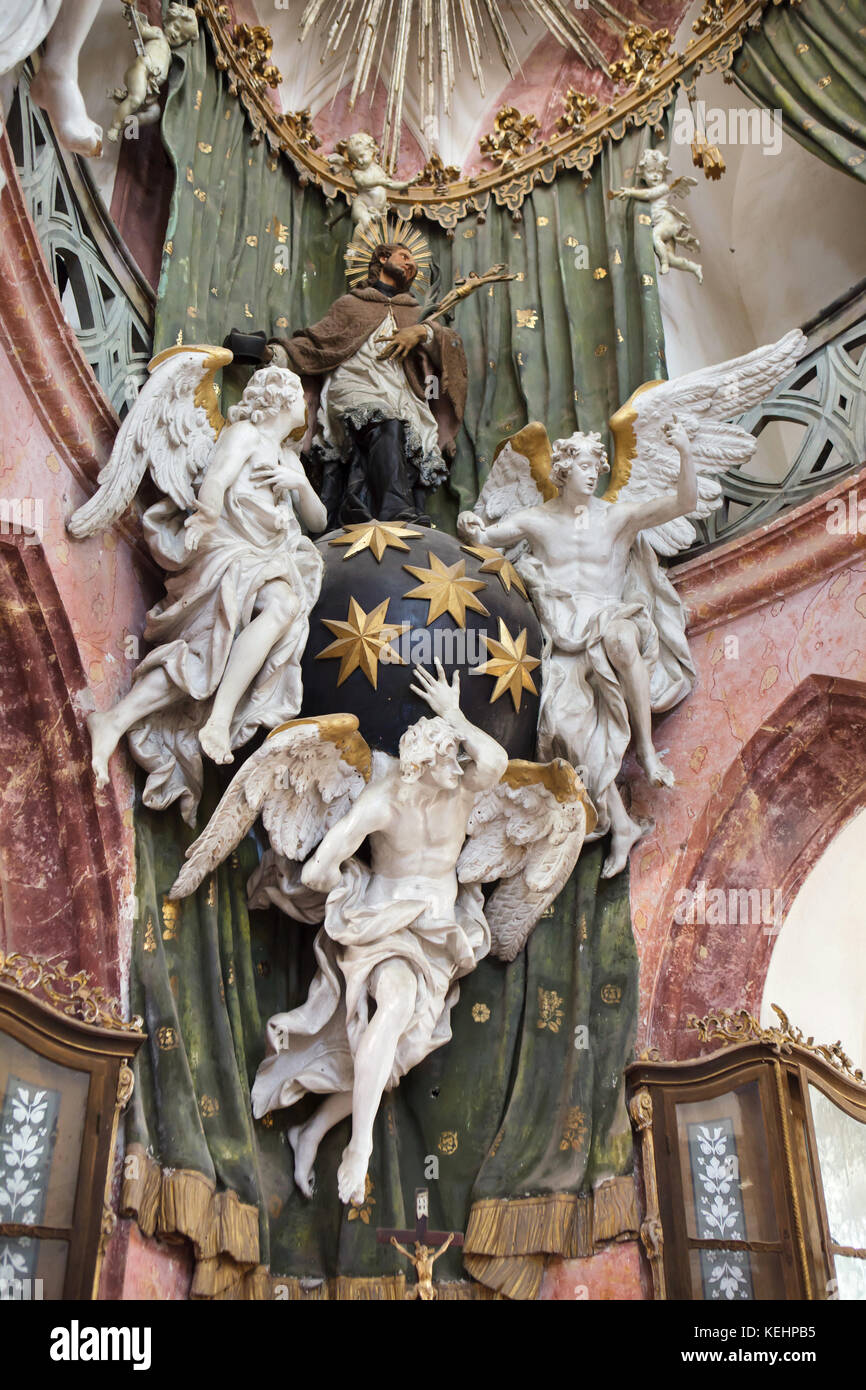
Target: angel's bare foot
[(61, 98), (352, 1176), (214, 738), (657, 774), (304, 1148), (621, 845), (103, 741)]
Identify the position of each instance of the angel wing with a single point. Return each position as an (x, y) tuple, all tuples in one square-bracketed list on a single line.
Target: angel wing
[(527, 832), (519, 475), (645, 464), (171, 430), (681, 187), (301, 781)]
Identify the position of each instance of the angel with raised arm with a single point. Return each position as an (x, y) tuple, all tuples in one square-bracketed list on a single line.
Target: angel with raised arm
[(616, 650), (670, 226), (231, 630), (403, 924)]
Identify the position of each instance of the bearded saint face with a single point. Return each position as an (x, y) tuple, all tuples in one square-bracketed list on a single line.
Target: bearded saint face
[(400, 267)]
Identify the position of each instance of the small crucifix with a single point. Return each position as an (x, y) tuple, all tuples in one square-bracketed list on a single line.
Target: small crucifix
[(426, 1242)]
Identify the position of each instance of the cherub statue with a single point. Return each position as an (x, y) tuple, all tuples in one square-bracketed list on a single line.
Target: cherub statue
[(149, 69), (670, 226), (402, 924), (233, 625), (423, 1260), (616, 649), (358, 156)]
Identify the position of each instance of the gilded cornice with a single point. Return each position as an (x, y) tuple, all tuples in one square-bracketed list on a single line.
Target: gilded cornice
[(722, 30)]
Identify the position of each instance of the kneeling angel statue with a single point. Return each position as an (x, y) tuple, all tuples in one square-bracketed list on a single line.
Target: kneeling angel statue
[(402, 924), (242, 577), (616, 650)]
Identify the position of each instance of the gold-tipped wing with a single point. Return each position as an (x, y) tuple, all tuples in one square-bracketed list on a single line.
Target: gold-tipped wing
[(527, 832), (301, 781), (646, 465), (170, 430)]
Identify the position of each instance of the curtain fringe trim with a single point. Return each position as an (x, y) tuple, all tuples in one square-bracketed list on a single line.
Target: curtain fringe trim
[(505, 1251), (572, 1225)]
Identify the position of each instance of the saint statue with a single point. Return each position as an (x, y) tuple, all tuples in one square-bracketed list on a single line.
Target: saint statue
[(377, 368)]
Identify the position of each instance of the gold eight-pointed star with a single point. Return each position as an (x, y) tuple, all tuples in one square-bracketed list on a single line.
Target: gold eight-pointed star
[(375, 536), (447, 588), (496, 563), (510, 665), (361, 639)]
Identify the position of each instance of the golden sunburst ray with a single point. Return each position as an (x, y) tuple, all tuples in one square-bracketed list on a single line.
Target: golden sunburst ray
[(447, 588), (509, 664), (361, 639), (390, 229), (375, 536), (496, 563)]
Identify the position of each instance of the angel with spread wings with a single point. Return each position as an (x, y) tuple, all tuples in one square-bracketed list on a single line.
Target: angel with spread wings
[(231, 630), (670, 225), (402, 924), (615, 630)]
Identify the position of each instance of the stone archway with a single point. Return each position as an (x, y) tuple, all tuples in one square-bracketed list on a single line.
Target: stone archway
[(793, 786)]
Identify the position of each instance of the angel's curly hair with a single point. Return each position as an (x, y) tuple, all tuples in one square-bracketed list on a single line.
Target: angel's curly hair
[(652, 159), (268, 391), (423, 743), (561, 465)]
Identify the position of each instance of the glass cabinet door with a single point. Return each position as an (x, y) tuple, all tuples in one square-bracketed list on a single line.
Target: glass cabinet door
[(840, 1141)]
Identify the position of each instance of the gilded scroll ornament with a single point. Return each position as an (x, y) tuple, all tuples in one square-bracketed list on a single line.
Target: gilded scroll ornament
[(255, 46), (644, 53), (739, 1026), (578, 109), (73, 995), (512, 134)]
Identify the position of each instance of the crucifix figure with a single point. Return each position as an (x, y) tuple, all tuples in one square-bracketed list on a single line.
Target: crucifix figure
[(426, 1242)]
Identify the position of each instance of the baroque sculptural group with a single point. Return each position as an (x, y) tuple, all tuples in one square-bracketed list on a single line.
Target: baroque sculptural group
[(386, 854)]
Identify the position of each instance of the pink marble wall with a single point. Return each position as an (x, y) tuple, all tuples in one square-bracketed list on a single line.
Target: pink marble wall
[(618, 1273)]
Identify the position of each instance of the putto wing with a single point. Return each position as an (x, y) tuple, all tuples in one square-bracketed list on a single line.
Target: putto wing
[(170, 430), (646, 464), (301, 781), (527, 832), (519, 477)]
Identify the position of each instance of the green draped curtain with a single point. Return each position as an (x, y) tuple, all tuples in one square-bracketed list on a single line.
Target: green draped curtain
[(809, 61), (518, 1127), (566, 343), (526, 1101)]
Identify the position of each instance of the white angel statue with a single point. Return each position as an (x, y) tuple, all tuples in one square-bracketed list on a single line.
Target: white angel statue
[(232, 628), (401, 927), (671, 227), (358, 158), (615, 630)]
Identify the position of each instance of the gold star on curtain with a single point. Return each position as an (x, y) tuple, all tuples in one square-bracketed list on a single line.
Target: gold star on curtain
[(496, 563), (510, 665), (361, 639), (375, 536), (447, 588)]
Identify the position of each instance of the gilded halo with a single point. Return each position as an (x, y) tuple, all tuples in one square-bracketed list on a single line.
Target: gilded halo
[(392, 228)]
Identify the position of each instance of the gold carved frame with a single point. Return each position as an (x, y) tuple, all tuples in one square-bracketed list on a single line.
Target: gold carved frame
[(65, 1019)]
